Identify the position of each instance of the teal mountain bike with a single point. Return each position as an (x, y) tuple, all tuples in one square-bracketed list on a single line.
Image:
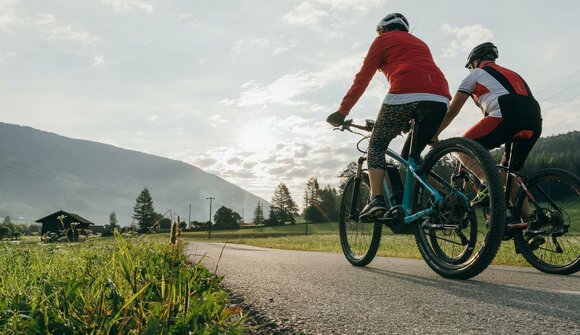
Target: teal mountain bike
[(430, 200)]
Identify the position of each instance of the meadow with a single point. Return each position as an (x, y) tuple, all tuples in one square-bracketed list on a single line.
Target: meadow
[(134, 285), (324, 237)]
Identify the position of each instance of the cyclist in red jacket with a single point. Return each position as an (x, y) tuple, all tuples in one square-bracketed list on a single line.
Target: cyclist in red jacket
[(508, 107), (418, 90)]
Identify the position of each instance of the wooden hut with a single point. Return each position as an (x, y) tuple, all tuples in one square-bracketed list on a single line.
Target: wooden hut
[(72, 224)]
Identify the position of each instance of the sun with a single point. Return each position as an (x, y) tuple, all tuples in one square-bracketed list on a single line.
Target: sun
[(255, 137)]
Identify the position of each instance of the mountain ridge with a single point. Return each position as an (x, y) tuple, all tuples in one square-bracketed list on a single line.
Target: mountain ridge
[(42, 172)]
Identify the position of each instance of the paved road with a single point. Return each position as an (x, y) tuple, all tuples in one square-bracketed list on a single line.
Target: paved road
[(321, 293)]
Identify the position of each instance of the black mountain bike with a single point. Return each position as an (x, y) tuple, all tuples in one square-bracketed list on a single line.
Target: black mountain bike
[(544, 218), (431, 204)]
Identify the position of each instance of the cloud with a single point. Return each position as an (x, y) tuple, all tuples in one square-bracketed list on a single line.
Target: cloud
[(287, 88), (251, 45), (129, 5), (218, 119), (350, 5), (306, 14), (98, 60), (9, 15), (205, 162), (560, 117), (53, 30), (465, 38), (327, 15)]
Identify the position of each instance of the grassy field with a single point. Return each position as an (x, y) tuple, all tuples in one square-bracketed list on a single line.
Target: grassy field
[(324, 237), (136, 285)]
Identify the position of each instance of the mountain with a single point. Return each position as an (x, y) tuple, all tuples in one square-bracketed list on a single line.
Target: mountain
[(41, 173)]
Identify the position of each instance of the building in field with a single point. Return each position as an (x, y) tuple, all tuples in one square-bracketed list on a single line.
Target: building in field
[(70, 224)]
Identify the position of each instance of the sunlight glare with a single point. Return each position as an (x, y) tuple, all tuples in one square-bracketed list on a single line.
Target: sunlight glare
[(255, 137)]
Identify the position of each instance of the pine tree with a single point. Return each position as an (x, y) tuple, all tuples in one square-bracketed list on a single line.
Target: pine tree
[(283, 206), (259, 214), (144, 212), (312, 210)]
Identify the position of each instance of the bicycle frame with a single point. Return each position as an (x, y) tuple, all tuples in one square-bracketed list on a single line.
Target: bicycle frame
[(412, 174), (510, 176)]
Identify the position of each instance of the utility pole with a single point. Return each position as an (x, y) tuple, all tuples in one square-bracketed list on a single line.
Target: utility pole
[(189, 217), (209, 227)]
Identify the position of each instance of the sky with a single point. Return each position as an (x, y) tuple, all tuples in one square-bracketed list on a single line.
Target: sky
[(241, 88)]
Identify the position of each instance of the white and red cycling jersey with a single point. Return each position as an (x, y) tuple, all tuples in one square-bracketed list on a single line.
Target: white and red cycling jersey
[(408, 65), (499, 92)]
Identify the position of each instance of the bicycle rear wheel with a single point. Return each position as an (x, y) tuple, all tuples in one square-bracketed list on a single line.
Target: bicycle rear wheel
[(551, 242), (359, 240), (459, 240)]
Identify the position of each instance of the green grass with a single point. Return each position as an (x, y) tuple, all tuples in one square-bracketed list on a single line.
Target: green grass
[(324, 237), (139, 285)]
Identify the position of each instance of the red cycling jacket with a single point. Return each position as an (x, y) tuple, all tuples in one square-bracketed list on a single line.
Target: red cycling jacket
[(408, 65)]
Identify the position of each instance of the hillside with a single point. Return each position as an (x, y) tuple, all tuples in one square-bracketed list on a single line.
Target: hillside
[(42, 172)]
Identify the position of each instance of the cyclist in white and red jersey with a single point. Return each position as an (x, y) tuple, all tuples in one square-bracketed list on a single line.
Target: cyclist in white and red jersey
[(506, 102), (418, 90)]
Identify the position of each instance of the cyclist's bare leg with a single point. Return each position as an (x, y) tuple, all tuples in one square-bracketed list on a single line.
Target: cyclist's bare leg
[(472, 166), (525, 213), (376, 177)]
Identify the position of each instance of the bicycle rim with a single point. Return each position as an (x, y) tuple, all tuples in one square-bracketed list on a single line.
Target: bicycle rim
[(459, 240), (551, 242)]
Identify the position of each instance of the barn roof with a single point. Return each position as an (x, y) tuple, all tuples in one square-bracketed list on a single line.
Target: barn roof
[(73, 216)]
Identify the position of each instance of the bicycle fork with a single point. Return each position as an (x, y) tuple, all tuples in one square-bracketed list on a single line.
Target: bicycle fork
[(355, 194)]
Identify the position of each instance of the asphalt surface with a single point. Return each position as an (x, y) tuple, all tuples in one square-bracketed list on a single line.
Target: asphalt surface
[(293, 292)]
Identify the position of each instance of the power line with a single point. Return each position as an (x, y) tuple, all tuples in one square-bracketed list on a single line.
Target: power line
[(562, 91), (557, 82)]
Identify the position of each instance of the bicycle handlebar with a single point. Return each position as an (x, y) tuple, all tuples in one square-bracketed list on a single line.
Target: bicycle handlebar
[(349, 124)]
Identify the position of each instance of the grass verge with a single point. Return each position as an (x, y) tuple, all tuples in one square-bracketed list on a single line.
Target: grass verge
[(110, 286)]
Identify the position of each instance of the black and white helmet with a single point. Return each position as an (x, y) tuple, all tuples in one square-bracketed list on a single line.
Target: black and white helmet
[(484, 51), (393, 21)]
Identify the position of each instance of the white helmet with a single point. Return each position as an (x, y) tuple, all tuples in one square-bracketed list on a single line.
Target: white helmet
[(393, 21)]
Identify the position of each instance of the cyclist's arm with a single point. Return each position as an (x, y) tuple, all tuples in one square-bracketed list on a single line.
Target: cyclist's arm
[(371, 63), (454, 107)]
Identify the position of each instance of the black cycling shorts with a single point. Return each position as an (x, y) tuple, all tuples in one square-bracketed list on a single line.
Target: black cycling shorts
[(492, 132), (395, 119)]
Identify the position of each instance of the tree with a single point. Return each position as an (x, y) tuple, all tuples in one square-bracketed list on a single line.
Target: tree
[(182, 225), (283, 206), (329, 203), (259, 214), (225, 218), (7, 220), (144, 211), (113, 225), (312, 211), (4, 232), (350, 170), (165, 223), (34, 229), (113, 222)]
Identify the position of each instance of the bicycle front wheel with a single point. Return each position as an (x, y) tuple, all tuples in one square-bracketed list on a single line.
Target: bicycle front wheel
[(551, 242), (359, 240), (460, 238)]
